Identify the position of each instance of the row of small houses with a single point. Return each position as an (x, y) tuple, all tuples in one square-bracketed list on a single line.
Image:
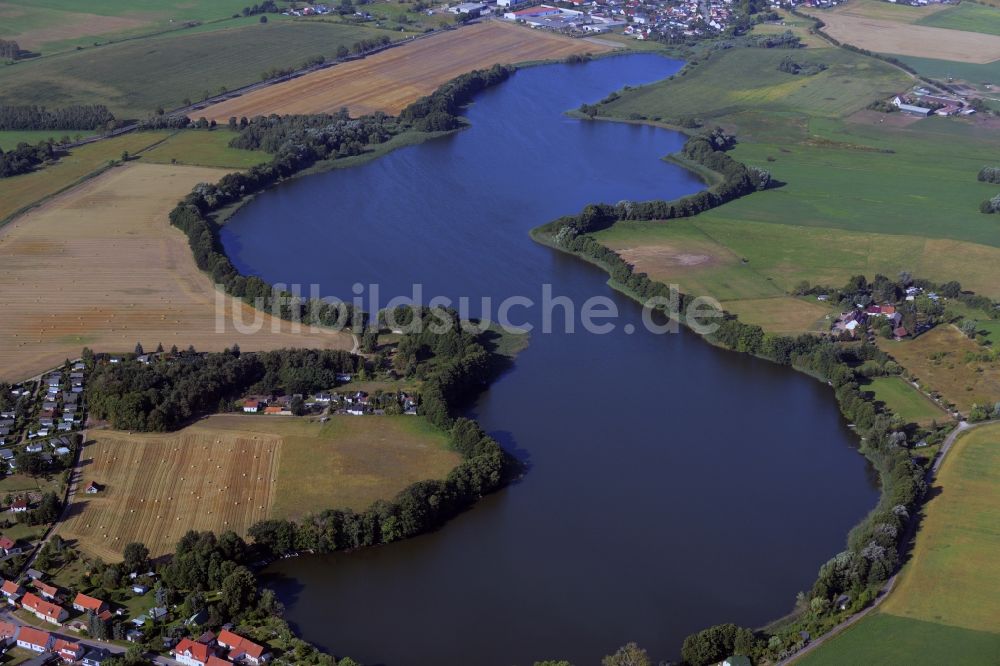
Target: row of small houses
[(52, 646), (45, 604), (355, 403), (63, 395)]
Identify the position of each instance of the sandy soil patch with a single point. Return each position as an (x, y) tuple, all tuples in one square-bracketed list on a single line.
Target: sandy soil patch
[(664, 258), (100, 266), (884, 36), (391, 80)]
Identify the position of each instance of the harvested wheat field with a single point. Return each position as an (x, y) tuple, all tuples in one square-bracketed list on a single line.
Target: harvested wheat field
[(885, 36), (100, 266), (157, 487), (390, 80), (229, 471)]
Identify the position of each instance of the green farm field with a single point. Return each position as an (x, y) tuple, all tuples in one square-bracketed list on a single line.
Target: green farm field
[(10, 138), (204, 148), (50, 26), (886, 640), (905, 401), (134, 78), (943, 70), (945, 607), (967, 16)]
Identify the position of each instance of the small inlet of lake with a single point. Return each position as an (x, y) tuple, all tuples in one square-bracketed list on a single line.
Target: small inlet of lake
[(671, 485)]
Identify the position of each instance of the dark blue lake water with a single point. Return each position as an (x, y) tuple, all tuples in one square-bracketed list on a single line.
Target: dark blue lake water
[(672, 485)]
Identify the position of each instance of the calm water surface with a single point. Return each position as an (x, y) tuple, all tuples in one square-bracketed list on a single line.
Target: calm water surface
[(671, 485)]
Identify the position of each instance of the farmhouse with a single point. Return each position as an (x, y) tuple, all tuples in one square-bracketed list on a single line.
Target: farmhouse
[(252, 406), (85, 603), (33, 639), (242, 650), (44, 610), (910, 108)]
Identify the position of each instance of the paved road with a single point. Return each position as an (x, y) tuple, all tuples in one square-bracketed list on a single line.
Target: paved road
[(963, 426)]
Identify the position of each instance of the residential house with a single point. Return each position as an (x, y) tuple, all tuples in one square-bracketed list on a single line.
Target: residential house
[(92, 488), (8, 546), (84, 603), (243, 650), (190, 653), (34, 574), (251, 406), (33, 639), (44, 610), (12, 591), (35, 447), (20, 505), (46, 591), (139, 589), (69, 652)]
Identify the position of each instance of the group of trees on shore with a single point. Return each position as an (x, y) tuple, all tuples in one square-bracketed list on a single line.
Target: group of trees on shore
[(708, 150), (171, 390), (439, 111)]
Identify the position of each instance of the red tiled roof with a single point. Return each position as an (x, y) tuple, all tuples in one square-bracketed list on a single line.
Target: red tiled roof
[(34, 636), (239, 644), (70, 648), (6, 542), (197, 650), (11, 588), (50, 590), (88, 603), (35, 603)]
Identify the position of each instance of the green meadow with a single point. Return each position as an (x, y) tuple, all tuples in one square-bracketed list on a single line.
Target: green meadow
[(967, 16), (887, 640), (53, 26), (727, 85), (905, 401), (134, 78), (204, 148), (10, 138), (943, 70)]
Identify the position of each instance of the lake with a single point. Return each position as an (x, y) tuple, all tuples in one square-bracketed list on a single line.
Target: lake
[(671, 485)]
